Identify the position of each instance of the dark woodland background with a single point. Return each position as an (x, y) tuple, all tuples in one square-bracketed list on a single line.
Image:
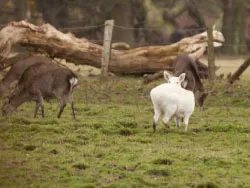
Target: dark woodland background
[(138, 22)]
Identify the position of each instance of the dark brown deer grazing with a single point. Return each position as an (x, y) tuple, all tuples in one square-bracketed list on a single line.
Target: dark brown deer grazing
[(185, 64), (32, 71), (54, 83), (14, 74)]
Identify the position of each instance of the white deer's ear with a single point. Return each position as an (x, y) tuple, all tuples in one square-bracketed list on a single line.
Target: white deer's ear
[(167, 75), (214, 27), (184, 83), (182, 77)]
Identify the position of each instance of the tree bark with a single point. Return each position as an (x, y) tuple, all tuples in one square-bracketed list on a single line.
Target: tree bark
[(149, 59), (240, 12), (195, 14), (122, 15), (234, 22), (227, 26), (21, 7), (171, 13)]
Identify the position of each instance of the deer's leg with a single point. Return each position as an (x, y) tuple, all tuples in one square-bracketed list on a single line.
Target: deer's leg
[(72, 106), (42, 107), (186, 119), (168, 114), (73, 109), (166, 120), (62, 106), (39, 103), (177, 121), (36, 109)]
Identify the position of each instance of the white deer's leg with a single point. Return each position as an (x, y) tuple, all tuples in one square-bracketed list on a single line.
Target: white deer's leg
[(169, 113), (177, 121), (186, 119), (157, 114), (166, 119)]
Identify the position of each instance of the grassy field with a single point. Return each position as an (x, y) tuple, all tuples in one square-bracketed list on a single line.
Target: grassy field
[(112, 144)]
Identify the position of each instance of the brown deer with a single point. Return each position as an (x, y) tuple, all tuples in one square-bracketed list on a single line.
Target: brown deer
[(49, 82), (14, 74), (185, 64)]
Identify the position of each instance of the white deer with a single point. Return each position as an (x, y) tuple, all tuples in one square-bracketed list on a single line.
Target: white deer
[(171, 100)]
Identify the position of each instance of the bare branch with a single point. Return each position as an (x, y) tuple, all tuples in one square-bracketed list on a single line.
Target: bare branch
[(194, 13)]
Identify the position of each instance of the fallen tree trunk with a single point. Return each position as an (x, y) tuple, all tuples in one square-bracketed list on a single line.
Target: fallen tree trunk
[(46, 39)]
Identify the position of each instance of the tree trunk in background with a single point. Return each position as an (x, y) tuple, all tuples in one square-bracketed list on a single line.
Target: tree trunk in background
[(122, 15), (21, 8), (2, 2), (194, 13), (53, 11), (234, 22), (227, 29), (239, 38)]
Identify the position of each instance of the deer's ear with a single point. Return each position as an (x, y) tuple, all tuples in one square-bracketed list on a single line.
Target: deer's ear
[(182, 77), (167, 75)]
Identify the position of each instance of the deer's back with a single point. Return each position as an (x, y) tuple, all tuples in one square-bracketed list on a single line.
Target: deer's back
[(36, 70), (184, 63), (53, 83), (18, 68)]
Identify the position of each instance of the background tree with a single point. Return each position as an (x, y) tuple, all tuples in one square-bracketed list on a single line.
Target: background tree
[(21, 9), (167, 21), (122, 14), (234, 26)]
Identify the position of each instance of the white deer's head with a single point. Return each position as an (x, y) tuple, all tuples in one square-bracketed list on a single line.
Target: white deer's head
[(174, 79)]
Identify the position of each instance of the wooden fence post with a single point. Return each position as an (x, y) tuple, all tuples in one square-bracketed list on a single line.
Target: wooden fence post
[(109, 25), (210, 53)]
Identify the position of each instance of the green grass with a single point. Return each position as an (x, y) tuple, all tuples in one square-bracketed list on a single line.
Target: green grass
[(112, 144)]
